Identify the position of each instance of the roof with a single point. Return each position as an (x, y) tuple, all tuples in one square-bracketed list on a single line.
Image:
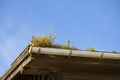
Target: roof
[(45, 59)]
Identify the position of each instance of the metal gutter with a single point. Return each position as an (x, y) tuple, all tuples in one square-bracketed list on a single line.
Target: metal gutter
[(74, 53)]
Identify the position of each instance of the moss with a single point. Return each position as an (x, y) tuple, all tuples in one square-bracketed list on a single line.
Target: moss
[(91, 49), (114, 51)]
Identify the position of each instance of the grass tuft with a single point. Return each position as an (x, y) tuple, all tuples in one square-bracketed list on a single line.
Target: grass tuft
[(42, 41), (48, 41)]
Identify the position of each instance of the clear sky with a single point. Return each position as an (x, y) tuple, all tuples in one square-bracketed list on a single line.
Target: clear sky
[(87, 23)]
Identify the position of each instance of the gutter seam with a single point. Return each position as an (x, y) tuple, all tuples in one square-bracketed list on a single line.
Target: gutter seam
[(39, 50), (70, 54), (101, 57)]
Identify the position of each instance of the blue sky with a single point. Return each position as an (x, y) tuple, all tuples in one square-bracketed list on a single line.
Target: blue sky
[(87, 23)]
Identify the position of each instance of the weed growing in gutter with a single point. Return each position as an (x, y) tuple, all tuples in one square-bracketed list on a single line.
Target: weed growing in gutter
[(48, 41)]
